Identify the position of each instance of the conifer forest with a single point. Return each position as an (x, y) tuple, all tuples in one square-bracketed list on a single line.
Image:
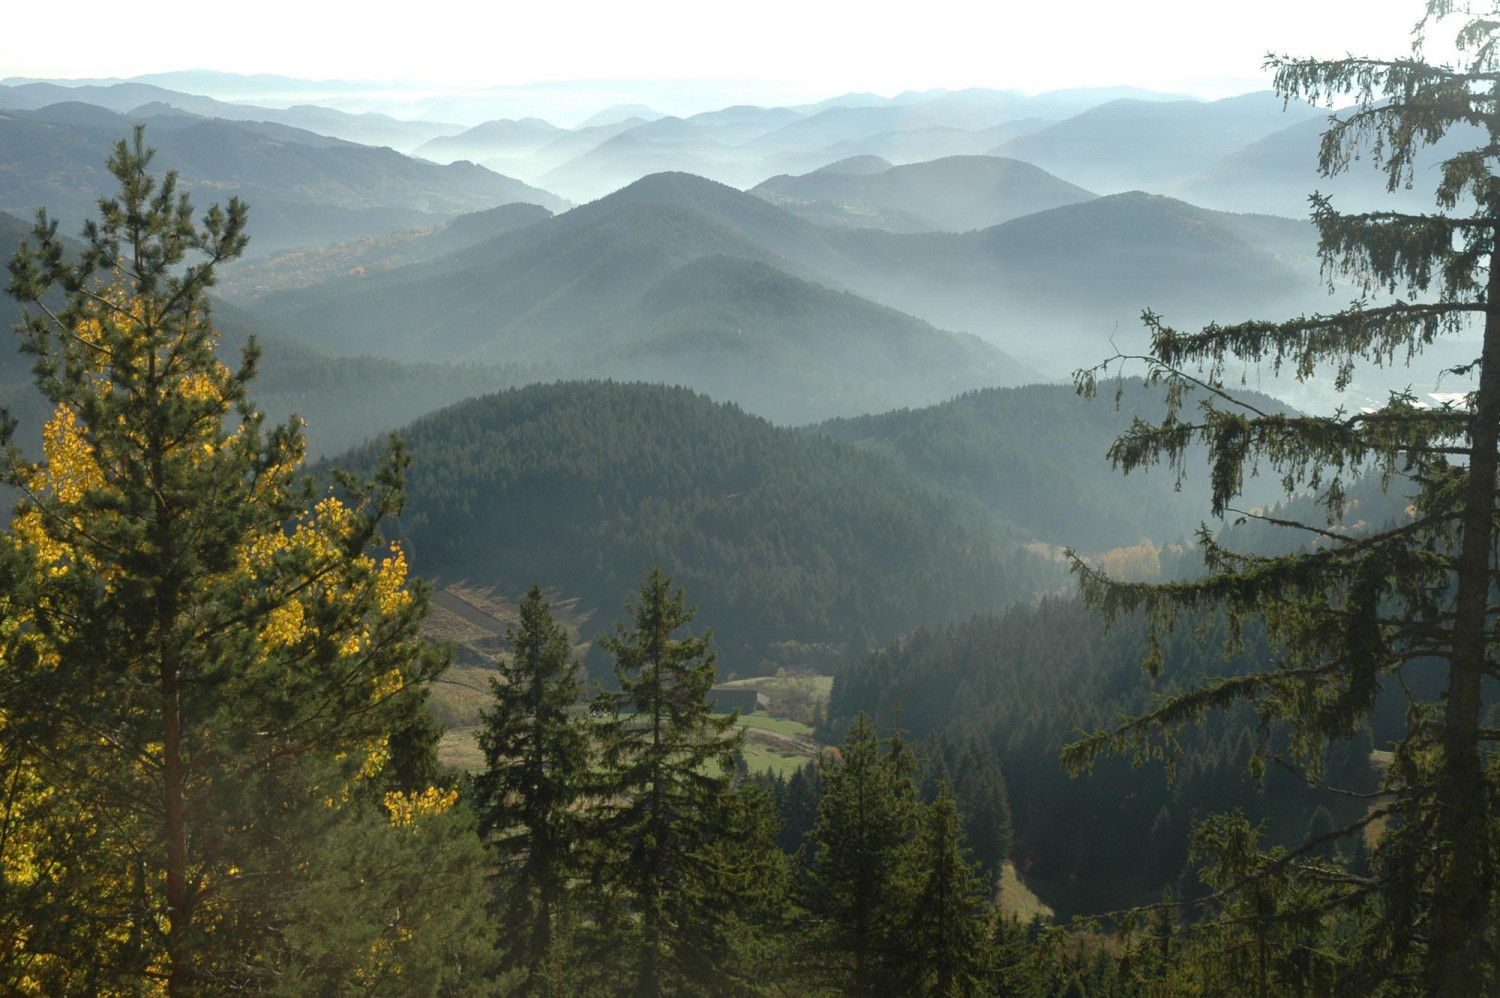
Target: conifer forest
[(966, 543)]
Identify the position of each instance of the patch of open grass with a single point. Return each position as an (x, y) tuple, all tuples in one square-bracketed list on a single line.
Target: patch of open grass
[(458, 695), (761, 721), (801, 696), (760, 758), (459, 750), (1017, 900)]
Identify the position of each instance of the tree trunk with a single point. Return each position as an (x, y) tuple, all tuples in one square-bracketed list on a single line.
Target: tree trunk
[(179, 915), (1461, 894)]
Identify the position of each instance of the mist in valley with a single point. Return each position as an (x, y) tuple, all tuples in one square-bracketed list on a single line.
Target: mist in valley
[(812, 337)]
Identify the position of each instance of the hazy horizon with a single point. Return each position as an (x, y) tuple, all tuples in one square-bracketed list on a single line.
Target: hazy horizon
[(780, 53)]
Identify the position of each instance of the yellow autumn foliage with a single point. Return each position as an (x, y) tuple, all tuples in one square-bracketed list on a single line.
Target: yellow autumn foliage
[(295, 598)]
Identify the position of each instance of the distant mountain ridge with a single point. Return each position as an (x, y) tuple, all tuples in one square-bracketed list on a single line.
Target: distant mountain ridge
[(502, 137), (956, 194), (1135, 144), (1100, 139), (126, 96), (306, 188), (344, 400), (1041, 287), (655, 284)]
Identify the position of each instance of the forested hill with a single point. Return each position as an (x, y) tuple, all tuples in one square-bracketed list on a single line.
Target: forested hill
[(784, 539), (1037, 455), (1027, 682)]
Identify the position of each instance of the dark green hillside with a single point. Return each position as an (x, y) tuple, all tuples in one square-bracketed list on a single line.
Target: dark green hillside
[(778, 535), (1036, 456), (1027, 682), (306, 189), (349, 400), (956, 193)]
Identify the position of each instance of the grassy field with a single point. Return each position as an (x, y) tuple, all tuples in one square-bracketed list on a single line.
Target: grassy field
[(458, 750), (457, 697), (780, 725), (801, 696), (474, 621), (1017, 900), (766, 759)]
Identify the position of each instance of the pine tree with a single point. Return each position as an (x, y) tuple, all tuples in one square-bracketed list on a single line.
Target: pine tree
[(862, 877), (1348, 614), (947, 931), (985, 804), (749, 879), (1018, 971), (537, 753), (202, 675), (667, 767), (799, 809)]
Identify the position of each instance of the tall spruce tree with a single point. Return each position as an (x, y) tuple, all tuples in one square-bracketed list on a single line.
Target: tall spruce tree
[(862, 879), (537, 753), (667, 767), (947, 932), (203, 672), (1352, 615)]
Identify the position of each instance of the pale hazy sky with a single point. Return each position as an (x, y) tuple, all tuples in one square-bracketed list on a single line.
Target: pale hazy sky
[(816, 47)]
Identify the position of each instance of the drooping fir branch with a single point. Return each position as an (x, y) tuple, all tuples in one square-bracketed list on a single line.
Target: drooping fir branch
[(1432, 99), (1377, 334)]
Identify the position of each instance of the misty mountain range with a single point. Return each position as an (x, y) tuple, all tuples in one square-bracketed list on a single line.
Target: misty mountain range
[(805, 262)]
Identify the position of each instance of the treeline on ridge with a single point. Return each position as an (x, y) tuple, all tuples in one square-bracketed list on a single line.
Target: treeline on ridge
[(785, 539)]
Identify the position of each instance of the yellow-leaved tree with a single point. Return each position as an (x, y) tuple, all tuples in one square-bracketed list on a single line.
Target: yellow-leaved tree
[(212, 768)]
